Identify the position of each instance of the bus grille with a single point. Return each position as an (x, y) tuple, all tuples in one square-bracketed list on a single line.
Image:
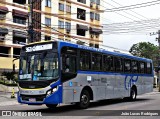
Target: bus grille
[(37, 97)]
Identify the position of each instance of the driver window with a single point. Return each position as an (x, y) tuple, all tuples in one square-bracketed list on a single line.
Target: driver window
[(69, 63)]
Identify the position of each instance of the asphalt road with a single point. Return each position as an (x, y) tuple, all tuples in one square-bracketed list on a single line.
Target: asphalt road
[(147, 104)]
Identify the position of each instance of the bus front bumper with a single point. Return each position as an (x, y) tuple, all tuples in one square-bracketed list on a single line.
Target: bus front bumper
[(54, 98)]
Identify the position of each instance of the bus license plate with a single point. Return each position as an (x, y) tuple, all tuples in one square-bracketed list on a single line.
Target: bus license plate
[(32, 100)]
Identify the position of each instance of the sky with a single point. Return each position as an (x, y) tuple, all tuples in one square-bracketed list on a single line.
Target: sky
[(125, 41)]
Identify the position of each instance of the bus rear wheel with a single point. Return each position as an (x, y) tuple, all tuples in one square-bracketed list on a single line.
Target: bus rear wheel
[(133, 94), (51, 105), (84, 99)]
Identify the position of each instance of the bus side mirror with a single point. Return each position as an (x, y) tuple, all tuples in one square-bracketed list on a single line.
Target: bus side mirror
[(14, 67)]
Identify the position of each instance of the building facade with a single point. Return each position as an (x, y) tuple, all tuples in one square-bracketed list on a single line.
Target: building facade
[(69, 20)]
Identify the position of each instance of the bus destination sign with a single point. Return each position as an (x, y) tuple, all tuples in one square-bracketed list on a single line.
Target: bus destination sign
[(39, 47)]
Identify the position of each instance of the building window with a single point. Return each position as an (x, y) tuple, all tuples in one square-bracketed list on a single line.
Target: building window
[(61, 7), (68, 8), (19, 1), (47, 37), (48, 3), (2, 37), (4, 52), (68, 26), (61, 24), (82, 1), (19, 40), (98, 2), (97, 16), (92, 1), (48, 21), (16, 52), (91, 15), (19, 20), (81, 32), (81, 14)]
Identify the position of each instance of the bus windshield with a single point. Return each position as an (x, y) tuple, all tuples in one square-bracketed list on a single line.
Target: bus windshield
[(39, 66)]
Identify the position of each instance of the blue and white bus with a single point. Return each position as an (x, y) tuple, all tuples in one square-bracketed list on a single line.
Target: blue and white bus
[(57, 72)]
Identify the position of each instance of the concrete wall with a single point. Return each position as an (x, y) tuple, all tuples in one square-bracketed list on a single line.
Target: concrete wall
[(4, 88), (6, 63)]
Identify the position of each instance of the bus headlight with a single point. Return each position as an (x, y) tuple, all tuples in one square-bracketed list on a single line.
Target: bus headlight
[(54, 89), (49, 92)]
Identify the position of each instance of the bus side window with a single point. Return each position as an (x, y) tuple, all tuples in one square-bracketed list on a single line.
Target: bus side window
[(118, 64), (69, 63), (134, 66), (142, 67), (84, 63), (108, 64), (127, 65), (149, 68), (96, 62)]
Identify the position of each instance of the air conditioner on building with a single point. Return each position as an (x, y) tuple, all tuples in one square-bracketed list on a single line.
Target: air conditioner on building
[(91, 5), (97, 6), (92, 36), (68, 30)]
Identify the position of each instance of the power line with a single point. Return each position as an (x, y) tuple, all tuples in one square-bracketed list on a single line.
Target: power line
[(130, 10), (133, 6)]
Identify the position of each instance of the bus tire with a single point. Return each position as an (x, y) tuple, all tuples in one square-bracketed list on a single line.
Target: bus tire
[(51, 105), (133, 94), (84, 99)]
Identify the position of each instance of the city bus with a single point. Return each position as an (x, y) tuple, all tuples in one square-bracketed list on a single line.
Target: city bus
[(58, 72)]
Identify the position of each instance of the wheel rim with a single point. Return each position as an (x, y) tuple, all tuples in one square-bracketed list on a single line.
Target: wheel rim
[(84, 99), (133, 94)]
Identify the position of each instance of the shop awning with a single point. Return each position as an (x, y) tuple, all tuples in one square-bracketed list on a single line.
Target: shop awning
[(20, 13), (3, 30), (19, 34), (83, 27), (3, 9), (95, 30)]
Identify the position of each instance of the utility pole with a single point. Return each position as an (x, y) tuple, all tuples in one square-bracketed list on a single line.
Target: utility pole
[(30, 22), (158, 73)]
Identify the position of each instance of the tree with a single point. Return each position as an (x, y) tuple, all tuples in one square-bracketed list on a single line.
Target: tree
[(146, 50), (9, 75)]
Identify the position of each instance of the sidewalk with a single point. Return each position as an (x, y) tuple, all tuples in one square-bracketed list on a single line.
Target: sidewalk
[(5, 99)]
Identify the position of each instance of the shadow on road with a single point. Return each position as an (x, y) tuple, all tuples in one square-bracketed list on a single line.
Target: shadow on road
[(73, 110)]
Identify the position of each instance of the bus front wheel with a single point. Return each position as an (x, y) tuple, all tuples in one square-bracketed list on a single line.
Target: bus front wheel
[(51, 105), (84, 99), (133, 94)]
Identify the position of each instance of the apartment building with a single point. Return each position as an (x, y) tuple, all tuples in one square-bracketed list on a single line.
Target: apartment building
[(69, 20), (13, 35)]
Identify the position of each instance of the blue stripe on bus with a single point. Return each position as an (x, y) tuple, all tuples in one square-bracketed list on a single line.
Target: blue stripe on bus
[(113, 73)]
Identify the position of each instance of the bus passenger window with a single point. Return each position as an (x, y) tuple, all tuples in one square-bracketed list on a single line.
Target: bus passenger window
[(69, 63), (134, 67), (127, 66), (149, 68), (84, 60), (142, 67), (96, 62), (118, 64), (108, 63)]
